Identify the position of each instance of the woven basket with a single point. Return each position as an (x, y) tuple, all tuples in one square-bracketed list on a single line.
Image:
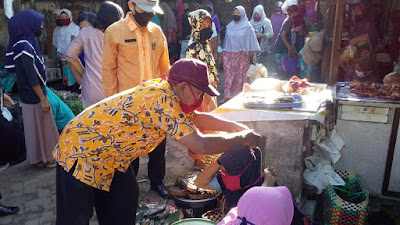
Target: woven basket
[(348, 204), (216, 215)]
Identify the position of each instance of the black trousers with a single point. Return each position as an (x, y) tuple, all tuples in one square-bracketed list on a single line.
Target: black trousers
[(156, 166), (76, 200)]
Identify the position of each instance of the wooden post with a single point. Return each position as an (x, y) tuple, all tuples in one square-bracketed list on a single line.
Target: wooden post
[(328, 32), (336, 42)]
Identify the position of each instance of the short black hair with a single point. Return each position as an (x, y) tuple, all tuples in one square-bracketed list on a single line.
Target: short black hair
[(86, 16), (108, 13), (292, 9), (207, 8)]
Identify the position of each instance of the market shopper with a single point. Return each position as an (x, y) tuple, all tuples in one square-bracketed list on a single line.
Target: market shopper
[(263, 29), (86, 19), (170, 30), (283, 45), (135, 50), (186, 30), (240, 44), (91, 41), (310, 56), (24, 56), (214, 39), (262, 205), (199, 48), (277, 20), (364, 32), (96, 149), (56, 32), (68, 32)]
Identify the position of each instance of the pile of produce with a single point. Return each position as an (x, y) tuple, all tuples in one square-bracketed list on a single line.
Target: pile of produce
[(71, 100), (185, 188), (298, 86), (389, 90)]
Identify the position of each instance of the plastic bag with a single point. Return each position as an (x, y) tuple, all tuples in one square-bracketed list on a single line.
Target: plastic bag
[(256, 71), (320, 173), (288, 3), (349, 54), (289, 65), (8, 8)]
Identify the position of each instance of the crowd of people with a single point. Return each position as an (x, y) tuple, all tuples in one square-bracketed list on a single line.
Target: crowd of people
[(141, 81)]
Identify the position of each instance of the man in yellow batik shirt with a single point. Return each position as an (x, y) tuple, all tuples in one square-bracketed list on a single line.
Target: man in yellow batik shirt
[(96, 148), (136, 50)]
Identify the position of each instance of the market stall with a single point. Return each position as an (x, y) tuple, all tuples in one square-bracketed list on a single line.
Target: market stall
[(370, 128), (289, 131)]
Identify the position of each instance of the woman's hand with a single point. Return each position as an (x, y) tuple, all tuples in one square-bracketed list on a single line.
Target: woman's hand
[(254, 58), (8, 102), (45, 105)]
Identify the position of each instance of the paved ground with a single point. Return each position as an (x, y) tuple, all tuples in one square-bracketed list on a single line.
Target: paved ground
[(33, 189)]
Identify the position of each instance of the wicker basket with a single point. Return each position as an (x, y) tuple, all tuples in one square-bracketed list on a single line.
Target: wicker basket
[(216, 215)]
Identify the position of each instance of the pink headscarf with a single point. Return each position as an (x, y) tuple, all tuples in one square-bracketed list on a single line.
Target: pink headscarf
[(262, 205)]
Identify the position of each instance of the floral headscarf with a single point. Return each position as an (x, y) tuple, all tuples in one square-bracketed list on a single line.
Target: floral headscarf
[(198, 49)]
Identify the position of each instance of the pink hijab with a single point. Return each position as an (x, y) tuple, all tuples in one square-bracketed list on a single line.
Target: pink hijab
[(262, 206)]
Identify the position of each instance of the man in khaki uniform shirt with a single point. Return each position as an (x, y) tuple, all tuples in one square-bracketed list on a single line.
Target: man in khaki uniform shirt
[(136, 50)]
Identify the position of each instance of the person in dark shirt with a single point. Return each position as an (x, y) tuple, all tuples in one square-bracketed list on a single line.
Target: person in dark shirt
[(186, 29), (282, 45), (24, 57)]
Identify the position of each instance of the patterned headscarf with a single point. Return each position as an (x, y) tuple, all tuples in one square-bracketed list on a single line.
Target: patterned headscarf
[(198, 49)]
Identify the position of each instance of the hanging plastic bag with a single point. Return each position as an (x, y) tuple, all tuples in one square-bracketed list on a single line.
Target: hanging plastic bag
[(320, 173), (288, 3), (289, 65)]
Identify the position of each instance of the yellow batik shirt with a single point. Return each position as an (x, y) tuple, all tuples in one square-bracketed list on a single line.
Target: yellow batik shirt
[(112, 133)]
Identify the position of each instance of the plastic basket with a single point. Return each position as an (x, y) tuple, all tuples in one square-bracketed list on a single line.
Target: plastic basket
[(347, 204)]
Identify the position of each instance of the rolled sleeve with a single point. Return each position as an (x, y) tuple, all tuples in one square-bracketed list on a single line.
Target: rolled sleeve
[(74, 49), (110, 54)]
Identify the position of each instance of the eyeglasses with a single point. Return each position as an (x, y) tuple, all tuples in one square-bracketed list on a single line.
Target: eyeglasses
[(202, 93)]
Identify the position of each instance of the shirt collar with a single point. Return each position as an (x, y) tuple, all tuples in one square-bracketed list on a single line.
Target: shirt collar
[(132, 23)]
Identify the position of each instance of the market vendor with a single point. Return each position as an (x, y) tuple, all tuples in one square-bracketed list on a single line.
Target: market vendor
[(364, 70), (364, 33), (96, 148), (240, 170)]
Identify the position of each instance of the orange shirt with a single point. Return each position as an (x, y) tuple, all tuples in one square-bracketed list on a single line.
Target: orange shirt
[(132, 54), (109, 135)]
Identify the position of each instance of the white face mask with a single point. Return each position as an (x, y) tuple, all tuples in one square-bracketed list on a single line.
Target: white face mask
[(362, 74)]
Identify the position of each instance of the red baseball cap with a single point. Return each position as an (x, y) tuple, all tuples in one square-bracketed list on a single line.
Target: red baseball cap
[(192, 71)]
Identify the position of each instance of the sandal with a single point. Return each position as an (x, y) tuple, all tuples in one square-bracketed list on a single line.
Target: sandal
[(40, 164), (50, 165)]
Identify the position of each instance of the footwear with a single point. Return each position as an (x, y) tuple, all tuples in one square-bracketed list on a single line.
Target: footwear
[(4, 167), (5, 211), (160, 190)]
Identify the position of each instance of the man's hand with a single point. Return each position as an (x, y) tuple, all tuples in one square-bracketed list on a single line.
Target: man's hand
[(45, 105), (8, 102), (252, 139)]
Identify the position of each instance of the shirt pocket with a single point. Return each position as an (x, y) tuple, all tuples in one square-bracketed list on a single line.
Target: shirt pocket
[(129, 52)]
